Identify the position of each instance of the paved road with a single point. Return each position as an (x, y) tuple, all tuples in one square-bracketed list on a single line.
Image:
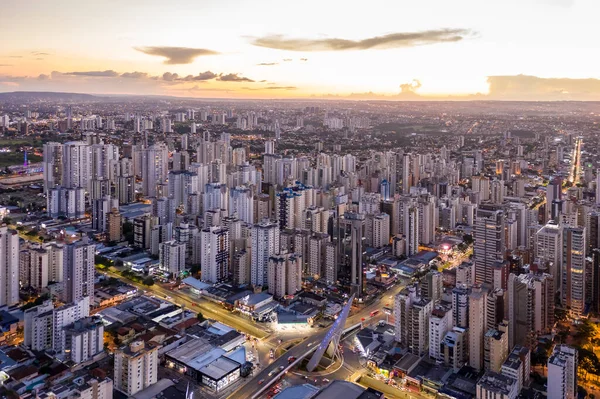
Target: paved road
[(209, 310), (252, 387)]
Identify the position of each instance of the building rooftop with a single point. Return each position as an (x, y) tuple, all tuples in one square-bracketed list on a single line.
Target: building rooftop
[(304, 391), (340, 389), (191, 350), (497, 383), (219, 368), (513, 362)]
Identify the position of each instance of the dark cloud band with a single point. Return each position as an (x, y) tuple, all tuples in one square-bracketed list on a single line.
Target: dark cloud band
[(176, 55), (392, 40)]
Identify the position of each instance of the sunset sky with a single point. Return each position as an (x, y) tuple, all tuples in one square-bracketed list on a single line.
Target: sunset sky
[(425, 49)]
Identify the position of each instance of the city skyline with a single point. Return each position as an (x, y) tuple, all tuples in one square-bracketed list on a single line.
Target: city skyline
[(466, 50)]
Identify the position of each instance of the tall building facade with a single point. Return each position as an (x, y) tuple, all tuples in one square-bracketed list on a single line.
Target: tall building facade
[(264, 244), (214, 254), (9, 267), (284, 274), (562, 373), (136, 367), (78, 272), (489, 245)]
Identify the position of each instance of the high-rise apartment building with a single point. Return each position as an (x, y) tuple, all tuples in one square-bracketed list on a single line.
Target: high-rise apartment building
[(562, 373), (489, 246), (9, 267), (78, 272), (214, 254), (411, 230), (136, 367), (477, 326), (264, 244), (411, 316), (573, 270), (440, 322), (284, 274), (33, 268), (530, 307), (171, 256), (154, 168)]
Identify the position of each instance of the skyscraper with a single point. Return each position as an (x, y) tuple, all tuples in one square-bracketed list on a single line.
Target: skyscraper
[(77, 165), (573, 270), (562, 373), (9, 267), (411, 315), (489, 246), (135, 367), (352, 251), (171, 256), (284, 274), (215, 254), (477, 326), (530, 307), (78, 271), (411, 230), (549, 247), (241, 202), (154, 168), (33, 268), (265, 243)]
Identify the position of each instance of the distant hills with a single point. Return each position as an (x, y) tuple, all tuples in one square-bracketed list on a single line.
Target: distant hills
[(27, 96)]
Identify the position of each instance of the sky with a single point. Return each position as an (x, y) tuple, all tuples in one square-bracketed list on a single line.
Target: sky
[(377, 49)]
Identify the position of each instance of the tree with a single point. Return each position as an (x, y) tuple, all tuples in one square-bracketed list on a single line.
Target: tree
[(149, 281), (560, 314), (128, 232), (200, 317), (468, 239)]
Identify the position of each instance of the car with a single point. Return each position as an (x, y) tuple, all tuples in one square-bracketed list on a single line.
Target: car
[(325, 380), (175, 381), (261, 381), (281, 368), (271, 373)]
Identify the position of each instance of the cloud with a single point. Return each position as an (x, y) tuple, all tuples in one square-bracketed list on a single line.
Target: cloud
[(176, 55), (281, 88), (208, 75), (303, 59), (134, 75), (202, 76), (268, 63), (524, 87), (233, 77), (169, 77), (99, 74), (287, 60), (392, 40), (271, 88), (406, 88), (9, 84), (5, 65), (15, 56), (43, 77), (38, 53)]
